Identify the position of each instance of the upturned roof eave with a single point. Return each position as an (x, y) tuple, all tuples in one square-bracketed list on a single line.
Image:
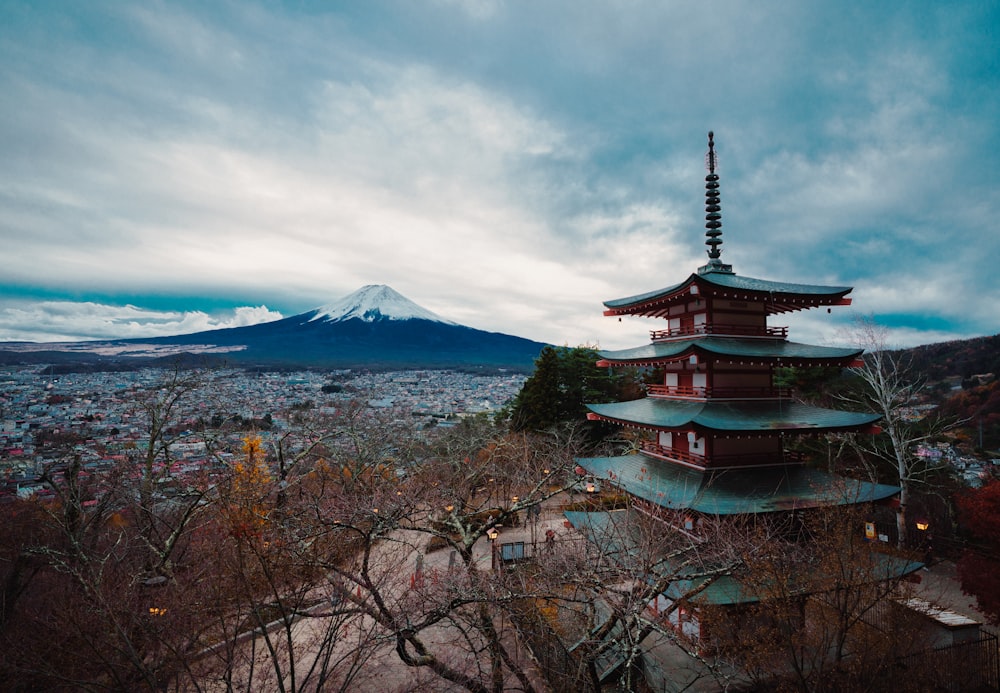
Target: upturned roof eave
[(782, 295), (745, 417), (732, 491), (625, 306), (775, 351)]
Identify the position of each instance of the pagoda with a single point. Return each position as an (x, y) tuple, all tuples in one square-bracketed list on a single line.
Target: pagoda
[(715, 428)]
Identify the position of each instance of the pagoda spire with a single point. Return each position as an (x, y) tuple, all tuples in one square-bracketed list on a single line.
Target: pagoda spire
[(713, 212)]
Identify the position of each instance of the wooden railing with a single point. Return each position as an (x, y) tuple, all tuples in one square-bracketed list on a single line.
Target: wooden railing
[(691, 392), (736, 460), (720, 330), (658, 450)]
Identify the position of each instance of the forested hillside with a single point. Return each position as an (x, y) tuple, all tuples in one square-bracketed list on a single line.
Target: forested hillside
[(961, 377), (963, 358)]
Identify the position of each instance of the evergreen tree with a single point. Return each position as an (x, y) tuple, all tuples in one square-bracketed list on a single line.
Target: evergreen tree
[(537, 405), (565, 380)]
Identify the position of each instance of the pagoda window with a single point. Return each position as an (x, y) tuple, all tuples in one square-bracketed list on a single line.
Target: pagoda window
[(699, 380), (670, 380), (685, 381), (675, 324), (666, 439), (700, 320), (696, 445), (683, 619)]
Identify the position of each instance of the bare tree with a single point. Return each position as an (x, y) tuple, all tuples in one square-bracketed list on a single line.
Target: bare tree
[(889, 389), (419, 573), (636, 575), (161, 523), (824, 609)]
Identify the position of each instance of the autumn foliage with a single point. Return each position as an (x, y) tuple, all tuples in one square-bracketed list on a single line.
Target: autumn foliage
[(245, 508), (979, 566)]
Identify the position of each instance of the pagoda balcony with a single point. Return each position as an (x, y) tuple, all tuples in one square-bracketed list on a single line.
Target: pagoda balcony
[(719, 330), (764, 459), (691, 392)]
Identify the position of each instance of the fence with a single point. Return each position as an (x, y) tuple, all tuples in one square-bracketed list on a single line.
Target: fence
[(973, 665), (562, 671)]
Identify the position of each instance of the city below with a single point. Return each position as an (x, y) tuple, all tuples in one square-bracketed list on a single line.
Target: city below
[(103, 410)]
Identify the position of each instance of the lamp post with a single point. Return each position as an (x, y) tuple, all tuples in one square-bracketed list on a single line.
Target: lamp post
[(533, 513), (492, 535), (925, 538)]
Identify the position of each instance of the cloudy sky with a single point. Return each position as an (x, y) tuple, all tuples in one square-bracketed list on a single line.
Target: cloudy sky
[(169, 167)]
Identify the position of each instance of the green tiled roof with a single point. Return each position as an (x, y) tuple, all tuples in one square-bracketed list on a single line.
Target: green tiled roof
[(732, 491), (613, 532), (727, 589), (726, 346), (734, 281), (731, 416)]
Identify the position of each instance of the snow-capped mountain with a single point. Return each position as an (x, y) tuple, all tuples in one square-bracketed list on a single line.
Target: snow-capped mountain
[(374, 327), (375, 302)]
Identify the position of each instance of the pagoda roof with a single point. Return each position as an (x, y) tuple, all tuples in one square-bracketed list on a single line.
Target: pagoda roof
[(614, 532), (732, 491), (740, 416), (780, 297), (767, 349)]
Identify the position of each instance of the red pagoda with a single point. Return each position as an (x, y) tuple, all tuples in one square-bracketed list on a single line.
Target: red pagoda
[(716, 426)]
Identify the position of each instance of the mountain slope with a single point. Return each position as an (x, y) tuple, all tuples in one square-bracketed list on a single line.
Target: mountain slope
[(374, 327)]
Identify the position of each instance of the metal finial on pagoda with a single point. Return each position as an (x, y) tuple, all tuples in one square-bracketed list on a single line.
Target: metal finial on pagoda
[(713, 210), (713, 213)]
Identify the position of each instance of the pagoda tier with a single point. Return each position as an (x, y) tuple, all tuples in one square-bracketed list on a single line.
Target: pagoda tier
[(736, 368), (773, 352), (712, 434), (766, 417), (723, 298), (732, 491), (615, 533)]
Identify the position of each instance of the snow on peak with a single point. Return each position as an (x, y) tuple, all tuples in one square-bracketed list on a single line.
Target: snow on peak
[(373, 303)]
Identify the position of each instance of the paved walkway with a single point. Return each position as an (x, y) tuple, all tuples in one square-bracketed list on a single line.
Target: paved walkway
[(394, 566), (939, 584)]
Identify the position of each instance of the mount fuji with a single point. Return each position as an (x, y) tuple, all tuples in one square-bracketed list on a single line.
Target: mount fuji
[(374, 303), (374, 327)]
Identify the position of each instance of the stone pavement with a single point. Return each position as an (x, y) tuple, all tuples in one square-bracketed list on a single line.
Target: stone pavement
[(939, 584), (396, 561)]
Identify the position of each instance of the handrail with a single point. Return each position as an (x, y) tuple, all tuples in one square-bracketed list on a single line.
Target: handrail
[(721, 330), (658, 450), (733, 460), (692, 392)]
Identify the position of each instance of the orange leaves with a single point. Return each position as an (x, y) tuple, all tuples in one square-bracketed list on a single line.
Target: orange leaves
[(118, 521), (246, 507), (979, 511)]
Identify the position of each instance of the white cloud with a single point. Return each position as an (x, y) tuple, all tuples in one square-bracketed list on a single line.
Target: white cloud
[(61, 321), (507, 166)]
